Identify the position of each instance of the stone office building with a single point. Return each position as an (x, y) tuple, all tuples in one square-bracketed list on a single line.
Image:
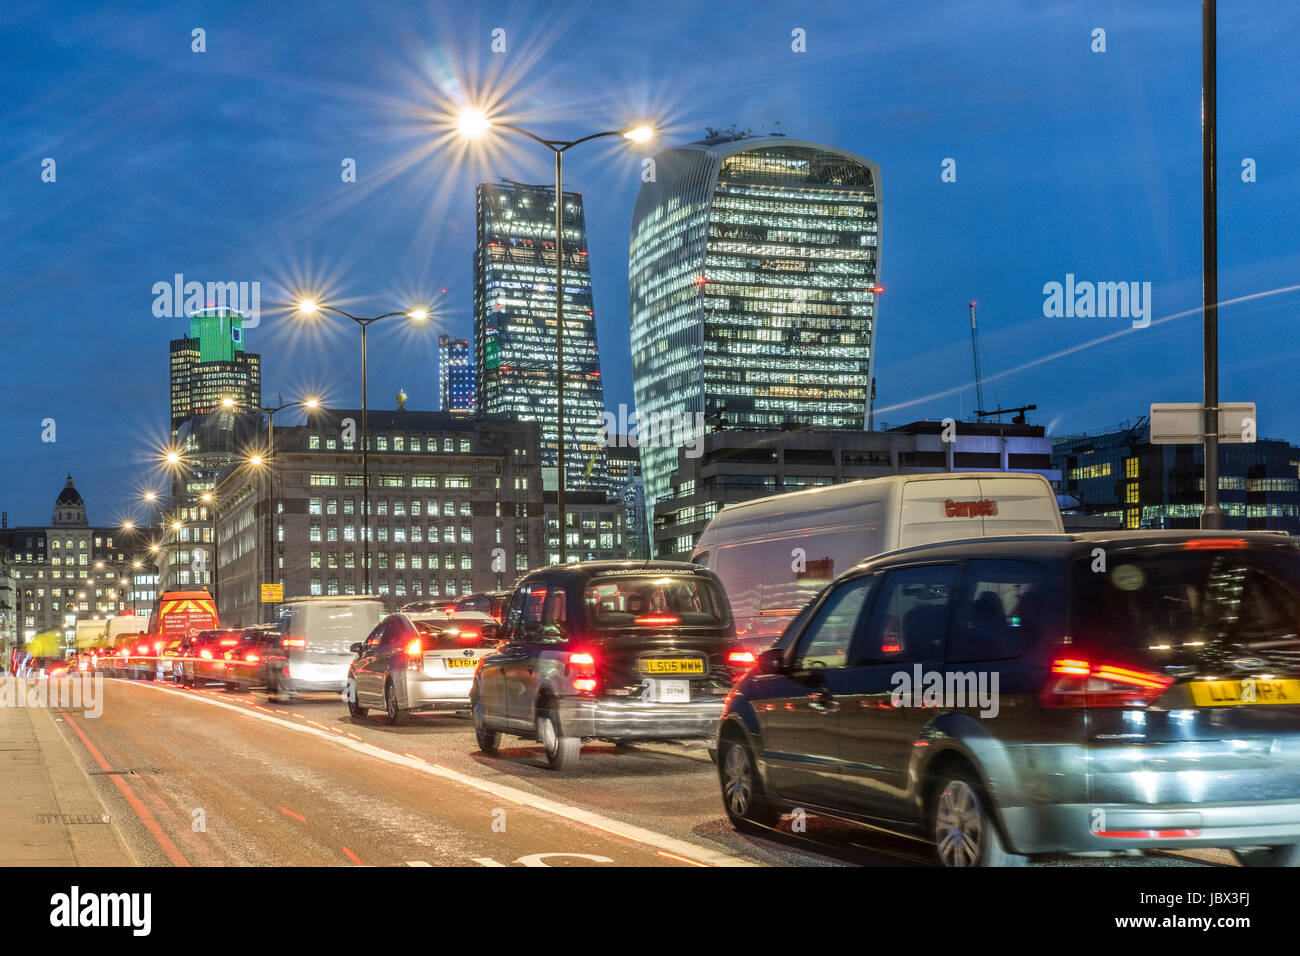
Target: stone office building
[(455, 507)]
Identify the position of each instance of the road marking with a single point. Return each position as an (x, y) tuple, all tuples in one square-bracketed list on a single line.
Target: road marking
[(417, 863), (650, 838), (137, 805), (352, 856), (289, 813)]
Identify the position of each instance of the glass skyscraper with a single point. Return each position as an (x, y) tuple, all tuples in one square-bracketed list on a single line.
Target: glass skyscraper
[(514, 325), (210, 365), (752, 289), (455, 375)]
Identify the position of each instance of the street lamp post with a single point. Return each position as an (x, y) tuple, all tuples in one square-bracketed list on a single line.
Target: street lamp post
[(310, 307), (474, 123)]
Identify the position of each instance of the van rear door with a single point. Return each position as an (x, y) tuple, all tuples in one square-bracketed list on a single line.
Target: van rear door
[(1019, 505), (939, 510)]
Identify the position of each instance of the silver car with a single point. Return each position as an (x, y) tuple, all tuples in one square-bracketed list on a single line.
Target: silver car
[(419, 661)]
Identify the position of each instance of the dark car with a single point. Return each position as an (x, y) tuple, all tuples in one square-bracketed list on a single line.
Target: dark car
[(202, 660), (613, 650), (492, 603), (242, 665), (1007, 697)]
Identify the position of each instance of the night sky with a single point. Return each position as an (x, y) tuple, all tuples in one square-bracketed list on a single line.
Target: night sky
[(225, 166)]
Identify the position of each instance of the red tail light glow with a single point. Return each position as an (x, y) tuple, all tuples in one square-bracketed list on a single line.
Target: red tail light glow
[(1215, 544), (294, 642), (582, 667), (659, 619), (1082, 683), (251, 658), (415, 655), (741, 658), (205, 654), (142, 649), (228, 642)]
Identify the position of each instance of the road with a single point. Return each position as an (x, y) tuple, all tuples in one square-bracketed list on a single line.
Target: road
[(208, 777)]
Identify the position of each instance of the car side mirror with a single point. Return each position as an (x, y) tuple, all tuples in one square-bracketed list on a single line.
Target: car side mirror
[(356, 649), (772, 661)]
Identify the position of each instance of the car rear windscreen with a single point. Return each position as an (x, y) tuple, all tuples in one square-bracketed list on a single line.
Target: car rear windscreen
[(1202, 609), (655, 600)]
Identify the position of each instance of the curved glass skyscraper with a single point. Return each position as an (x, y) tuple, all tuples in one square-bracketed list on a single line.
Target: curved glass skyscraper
[(752, 290)]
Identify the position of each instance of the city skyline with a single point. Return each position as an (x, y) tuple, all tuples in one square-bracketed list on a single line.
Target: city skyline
[(1086, 193)]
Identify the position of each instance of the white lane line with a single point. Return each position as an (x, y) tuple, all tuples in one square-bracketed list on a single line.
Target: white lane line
[(577, 814)]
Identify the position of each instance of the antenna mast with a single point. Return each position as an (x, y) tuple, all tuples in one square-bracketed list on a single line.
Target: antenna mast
[(975, 354)]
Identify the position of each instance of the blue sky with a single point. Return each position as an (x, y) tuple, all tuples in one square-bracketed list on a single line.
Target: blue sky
[(225, 165)]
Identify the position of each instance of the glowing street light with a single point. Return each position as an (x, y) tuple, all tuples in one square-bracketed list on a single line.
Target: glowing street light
[(473, 124), (310, 307)]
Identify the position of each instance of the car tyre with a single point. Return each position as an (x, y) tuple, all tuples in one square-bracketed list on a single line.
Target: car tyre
[(1286, 855), (742, 793), (489, 741), (561, 752), (397, 716), (354, 703), (963, 828)]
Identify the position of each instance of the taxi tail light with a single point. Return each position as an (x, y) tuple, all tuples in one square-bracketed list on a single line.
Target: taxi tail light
[(1075, 682), (415, 655), (741, 663), (229, 642), (581, 669), (659, 619)]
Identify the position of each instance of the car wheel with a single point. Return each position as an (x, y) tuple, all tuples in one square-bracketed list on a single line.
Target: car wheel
[(397, 716), (965, 833), (561, 752), (489, 741), (1286, 855), (354, 704), (742, 795)]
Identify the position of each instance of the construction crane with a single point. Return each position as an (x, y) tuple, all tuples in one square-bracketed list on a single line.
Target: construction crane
[(1000, 411), (975, 354)]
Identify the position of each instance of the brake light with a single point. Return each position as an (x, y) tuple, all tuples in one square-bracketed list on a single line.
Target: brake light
[(229, 642), (157, 646), (582, 669), (142, 649), (205, 654), (1214, 544), (1081, 683), (658, 619), (741, 659), (294, 642), (469, 635), (415, 655), (251, 658)]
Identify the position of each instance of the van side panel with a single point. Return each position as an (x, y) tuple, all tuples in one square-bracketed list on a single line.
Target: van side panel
[(1026, 505), (740, 565), (923, 515)]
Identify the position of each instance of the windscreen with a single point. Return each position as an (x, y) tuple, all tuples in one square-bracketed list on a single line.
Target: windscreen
[(1201, 610), (655, 600)]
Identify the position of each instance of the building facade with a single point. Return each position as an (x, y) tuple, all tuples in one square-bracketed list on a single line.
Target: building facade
[(515, 330), (210, 364), (455, 507), (68, 571), (1120, 474), (627, 485), (752, 289), (456, 391), (739, 465)]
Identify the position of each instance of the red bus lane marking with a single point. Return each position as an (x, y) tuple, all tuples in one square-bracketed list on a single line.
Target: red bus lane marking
[(289, 813), (352, 856), (136, 804)]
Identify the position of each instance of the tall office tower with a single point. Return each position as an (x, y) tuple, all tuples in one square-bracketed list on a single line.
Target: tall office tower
[(210, 364), (752, 290), (515, 332), (455, 375)]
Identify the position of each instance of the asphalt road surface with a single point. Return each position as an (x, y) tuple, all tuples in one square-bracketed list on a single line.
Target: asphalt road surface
[(210, 777)]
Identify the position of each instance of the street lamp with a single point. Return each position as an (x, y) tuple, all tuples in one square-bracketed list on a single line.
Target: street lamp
[(474, 124), (310, 307)]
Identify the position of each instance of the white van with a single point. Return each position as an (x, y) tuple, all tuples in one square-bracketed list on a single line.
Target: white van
[(316, 637), (774, 554)]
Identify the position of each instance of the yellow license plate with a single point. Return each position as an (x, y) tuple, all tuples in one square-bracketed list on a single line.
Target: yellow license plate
[(672, 665), (453, 662), (1251, 690)]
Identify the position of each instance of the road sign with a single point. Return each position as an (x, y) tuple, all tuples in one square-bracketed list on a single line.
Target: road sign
[(272, 593), (1183, 423)]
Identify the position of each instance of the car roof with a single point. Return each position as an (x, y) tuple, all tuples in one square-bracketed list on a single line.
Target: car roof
[(1056, 545), (592, 568)]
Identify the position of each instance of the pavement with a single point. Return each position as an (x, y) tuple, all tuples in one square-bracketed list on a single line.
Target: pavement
[(50, 811)]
